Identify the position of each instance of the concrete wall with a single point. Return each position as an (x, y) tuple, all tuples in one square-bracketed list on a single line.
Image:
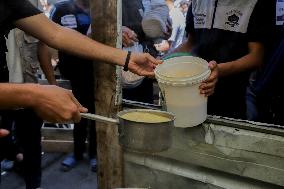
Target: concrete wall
[(217, 154)]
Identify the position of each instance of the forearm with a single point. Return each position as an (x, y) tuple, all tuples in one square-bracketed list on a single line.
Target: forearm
[(16, 95), (69, 40), (75, 43), (44, 58), (251, 61)]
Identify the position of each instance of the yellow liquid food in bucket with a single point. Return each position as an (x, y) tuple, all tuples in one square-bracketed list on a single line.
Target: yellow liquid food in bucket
[(145, 117)]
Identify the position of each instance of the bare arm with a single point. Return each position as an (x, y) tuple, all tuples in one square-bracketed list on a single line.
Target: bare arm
[(44, 58), (75, 43), (249, 62), (51, 103)]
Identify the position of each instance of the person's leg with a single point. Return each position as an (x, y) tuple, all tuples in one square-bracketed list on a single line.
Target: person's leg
[(83, 89), (79, 135), (252, 110), (92, 146), (28, 127), (8, 147), (6, 143)]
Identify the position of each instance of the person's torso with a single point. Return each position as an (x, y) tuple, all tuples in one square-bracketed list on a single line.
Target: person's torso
[(67, 14), (10, 11), (5, 18), (71, 16), (221, 27), (267, 78), (276, 14), (5, 26), (132, 14)]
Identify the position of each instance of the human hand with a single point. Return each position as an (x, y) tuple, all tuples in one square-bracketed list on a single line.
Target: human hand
[(143, 64), (164, 46), (3, 133), (55, 104), (208, 86), (128, 37)]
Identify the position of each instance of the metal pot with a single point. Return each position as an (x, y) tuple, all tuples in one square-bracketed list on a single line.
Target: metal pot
[(140, 136)]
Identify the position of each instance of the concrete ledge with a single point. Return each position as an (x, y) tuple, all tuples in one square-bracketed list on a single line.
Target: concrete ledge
[(232, 147)]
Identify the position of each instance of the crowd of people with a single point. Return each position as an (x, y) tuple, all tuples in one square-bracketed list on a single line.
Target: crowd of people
[(243, 46)]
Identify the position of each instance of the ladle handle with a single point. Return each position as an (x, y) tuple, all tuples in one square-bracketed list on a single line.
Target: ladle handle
[(99, 118)]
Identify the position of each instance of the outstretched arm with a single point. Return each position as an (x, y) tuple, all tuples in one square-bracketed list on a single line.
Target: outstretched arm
[(51, 103), (75, 43)]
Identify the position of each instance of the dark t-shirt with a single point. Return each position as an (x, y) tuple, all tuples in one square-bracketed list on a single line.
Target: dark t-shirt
[(10, 11), (221, 31), (67, 14), (273, 64), (224, 36)]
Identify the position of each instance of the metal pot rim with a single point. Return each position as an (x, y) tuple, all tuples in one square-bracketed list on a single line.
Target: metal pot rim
[(169, 115)]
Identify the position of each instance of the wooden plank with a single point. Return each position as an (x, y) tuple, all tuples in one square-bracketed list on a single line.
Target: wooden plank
[(105, 16)]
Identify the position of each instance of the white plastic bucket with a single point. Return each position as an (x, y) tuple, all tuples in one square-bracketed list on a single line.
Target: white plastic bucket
[(179, 79)]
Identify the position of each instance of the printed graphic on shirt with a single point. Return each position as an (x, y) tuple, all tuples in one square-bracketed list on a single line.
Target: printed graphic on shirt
[(230, 15), (234, 15), (69, 21), (280, 12)]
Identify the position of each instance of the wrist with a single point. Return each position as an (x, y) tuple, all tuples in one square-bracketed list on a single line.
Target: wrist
[(117, 56), (30, 95)]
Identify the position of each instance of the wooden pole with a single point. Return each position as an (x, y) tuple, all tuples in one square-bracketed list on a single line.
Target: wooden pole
[(106, 18)]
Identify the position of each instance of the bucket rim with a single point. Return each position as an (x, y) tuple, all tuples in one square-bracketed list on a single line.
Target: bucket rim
[(198, 78), (185, 82), (167, 114), (180, 78)]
